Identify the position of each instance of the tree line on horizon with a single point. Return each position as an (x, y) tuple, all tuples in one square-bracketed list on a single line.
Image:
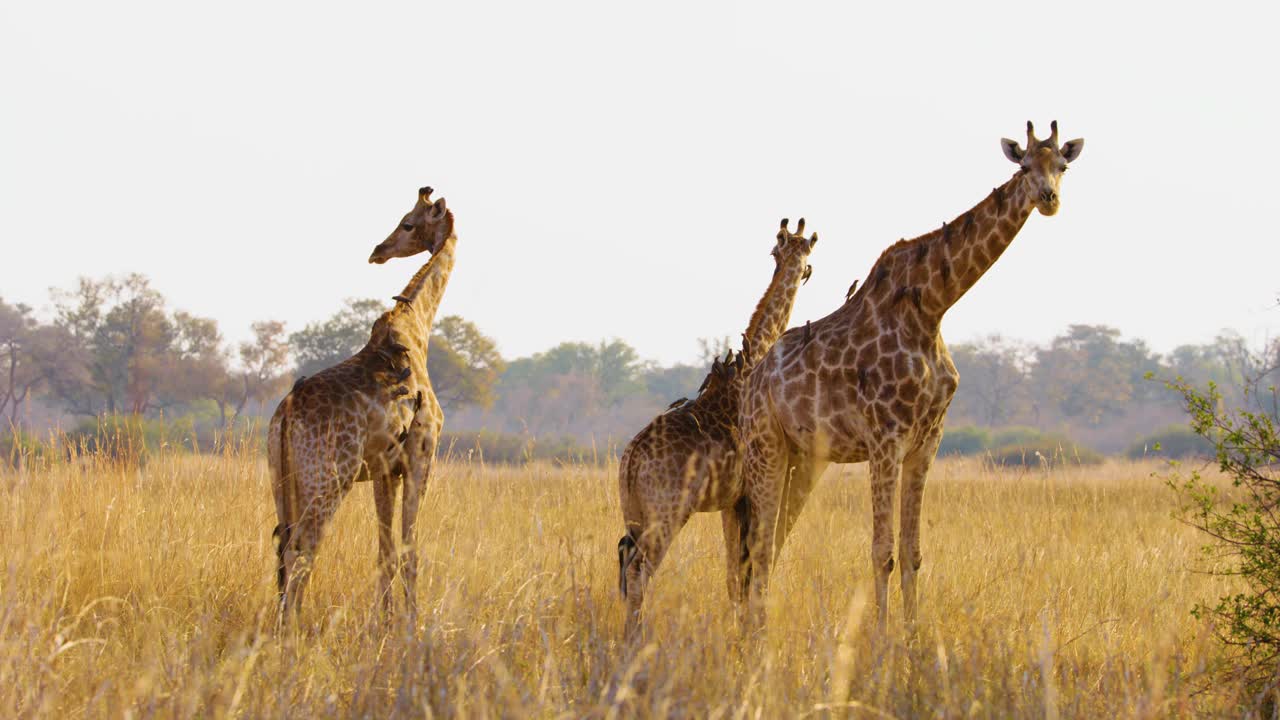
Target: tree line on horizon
[(113, 347)]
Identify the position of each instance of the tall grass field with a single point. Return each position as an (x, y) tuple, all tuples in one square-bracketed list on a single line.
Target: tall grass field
[(148, 590)]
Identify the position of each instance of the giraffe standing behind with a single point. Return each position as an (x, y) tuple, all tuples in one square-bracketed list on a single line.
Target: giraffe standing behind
[(688, 459), (372, 417), (872, 381)]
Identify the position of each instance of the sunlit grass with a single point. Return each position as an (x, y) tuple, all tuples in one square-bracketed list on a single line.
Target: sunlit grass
[(151, 592)]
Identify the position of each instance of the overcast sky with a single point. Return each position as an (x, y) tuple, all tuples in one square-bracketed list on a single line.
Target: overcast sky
[(619, 169)]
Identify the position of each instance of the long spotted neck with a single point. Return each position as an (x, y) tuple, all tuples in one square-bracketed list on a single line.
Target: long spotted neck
[(933, 271), (417, 304), (773, 312)]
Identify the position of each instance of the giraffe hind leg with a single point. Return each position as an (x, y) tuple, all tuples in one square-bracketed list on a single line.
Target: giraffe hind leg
[(281, 534), (384, 491), (736, 523), (627, 552)]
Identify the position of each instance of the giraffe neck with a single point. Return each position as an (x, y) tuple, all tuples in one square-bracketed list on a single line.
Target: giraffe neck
[(935, 270), (412, 318), (772, 313)]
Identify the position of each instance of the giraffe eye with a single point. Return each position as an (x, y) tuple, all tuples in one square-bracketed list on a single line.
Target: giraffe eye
[(407, 227)]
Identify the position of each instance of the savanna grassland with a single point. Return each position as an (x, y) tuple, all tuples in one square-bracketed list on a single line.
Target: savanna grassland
[(150, 591)]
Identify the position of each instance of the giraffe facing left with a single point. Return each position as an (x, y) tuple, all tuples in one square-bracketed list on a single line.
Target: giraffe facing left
[(372, 417)]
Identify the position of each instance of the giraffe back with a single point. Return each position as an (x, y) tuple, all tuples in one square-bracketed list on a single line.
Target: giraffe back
[(689, 457)]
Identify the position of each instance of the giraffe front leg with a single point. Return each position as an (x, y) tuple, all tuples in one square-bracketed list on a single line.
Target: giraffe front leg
[(914, 471), (652, 546), (802, 473), (886, 467), (649, 550), (764, 474), (384, 499), (734, 522), (415, 482)]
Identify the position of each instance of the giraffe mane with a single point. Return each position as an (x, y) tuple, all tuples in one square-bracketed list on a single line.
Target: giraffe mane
[(907, 252)]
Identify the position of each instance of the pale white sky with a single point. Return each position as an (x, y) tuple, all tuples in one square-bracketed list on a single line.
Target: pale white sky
[(619, 170)]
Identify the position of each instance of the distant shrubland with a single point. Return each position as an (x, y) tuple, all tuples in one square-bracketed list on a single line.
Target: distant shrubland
[(113, 347)]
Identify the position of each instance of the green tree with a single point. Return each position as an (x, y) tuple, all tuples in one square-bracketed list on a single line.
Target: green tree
[(669, 383), (263, 372), (194, 367), (16, 325), (464, 363), (993, 381), (119, 330), (712, 349), (618, 369), (1088, 373), (122, 352), (324, 344)]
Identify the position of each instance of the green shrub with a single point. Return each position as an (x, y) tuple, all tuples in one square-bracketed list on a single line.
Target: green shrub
[(1242, 528), (968, 440), (1016, 435), (1044, 451), (508, 449), (1176, 442), (18, 448), (132, 438)]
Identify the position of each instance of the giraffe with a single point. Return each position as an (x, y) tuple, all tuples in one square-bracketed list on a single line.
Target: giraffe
[(872, 381), (372, 417), (688, 458)]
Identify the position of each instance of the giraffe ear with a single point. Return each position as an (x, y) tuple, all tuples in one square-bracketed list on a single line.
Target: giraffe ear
[(1012, 150), (1071, 149), (438, 209)]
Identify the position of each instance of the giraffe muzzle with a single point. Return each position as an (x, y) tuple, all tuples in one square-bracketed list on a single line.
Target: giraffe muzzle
[(379, 255), (1048, 196)]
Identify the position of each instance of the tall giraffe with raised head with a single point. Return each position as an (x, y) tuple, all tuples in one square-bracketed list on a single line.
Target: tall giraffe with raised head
[(372, 417), (872, 380), (688, 459)]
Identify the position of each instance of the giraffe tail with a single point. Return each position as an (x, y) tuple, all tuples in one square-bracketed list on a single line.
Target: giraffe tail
[(627, 552)]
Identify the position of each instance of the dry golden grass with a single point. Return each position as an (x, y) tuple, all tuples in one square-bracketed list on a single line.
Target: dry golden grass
[(151, 593)]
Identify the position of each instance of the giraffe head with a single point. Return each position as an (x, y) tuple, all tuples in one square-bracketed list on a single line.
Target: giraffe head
[(1043, 163), (422, 229), (792, 251)]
